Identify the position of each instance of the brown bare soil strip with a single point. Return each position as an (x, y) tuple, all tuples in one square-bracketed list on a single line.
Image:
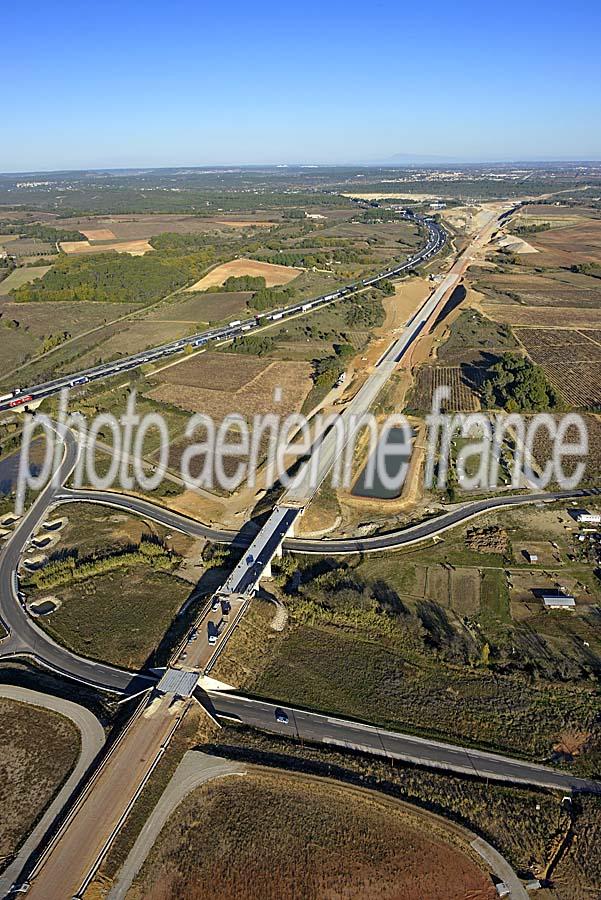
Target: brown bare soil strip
[(134, 248), (273, 274), (99, 234)]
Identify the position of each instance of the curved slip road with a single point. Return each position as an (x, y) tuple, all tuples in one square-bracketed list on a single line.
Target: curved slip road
[(370, 739), (25, 637), (92, 741), (391, 540)]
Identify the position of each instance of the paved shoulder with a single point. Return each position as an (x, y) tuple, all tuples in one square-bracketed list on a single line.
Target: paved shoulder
[(92, 740), (195, 769)]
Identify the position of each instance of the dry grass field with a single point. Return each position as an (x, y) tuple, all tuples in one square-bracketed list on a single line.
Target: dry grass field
[(274, 275), (571, 244), (23, 275), (92, 530), (556, 288), (541, 316), (38, 750), (256, 836), (23, 326), (186, 307), (134, 248), (222, 383), (215, 371), (134, 337)]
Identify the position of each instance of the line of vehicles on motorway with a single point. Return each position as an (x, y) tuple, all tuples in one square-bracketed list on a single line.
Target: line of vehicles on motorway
[(22, 396)]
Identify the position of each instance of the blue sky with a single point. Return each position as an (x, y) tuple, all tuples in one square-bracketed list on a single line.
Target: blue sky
[(185, 83)]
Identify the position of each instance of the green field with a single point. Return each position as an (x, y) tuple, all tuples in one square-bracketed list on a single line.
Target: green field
[(23, 275), (119, 618)]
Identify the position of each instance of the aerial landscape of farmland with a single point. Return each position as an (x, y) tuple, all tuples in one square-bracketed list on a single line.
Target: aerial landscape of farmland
[(300, 453)]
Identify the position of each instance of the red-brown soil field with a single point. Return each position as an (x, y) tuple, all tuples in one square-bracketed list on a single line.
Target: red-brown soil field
[(277, 837)]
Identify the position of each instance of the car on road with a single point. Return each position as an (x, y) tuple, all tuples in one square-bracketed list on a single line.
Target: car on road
[(281, 716), (215, 604)]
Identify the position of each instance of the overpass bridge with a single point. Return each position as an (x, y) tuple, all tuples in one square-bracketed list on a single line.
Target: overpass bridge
[(207, 639)]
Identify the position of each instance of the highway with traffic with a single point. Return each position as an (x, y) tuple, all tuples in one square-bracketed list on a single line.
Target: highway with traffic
[(21, 396)]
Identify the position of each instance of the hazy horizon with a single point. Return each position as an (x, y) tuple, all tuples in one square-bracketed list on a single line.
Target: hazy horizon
[(412, 162), (140, 86)]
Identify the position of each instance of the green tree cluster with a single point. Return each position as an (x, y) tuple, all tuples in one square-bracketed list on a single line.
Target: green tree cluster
[(255, 345), (328, 369), (269, 298), (364, 311), (116, 278), (42, 232), (517, 384)]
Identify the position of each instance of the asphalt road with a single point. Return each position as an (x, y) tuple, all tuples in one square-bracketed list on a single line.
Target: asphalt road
[(325, 729), (26, 638), (391, 540)]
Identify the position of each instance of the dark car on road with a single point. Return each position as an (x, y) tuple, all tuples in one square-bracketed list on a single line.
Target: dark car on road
[(281, 716)]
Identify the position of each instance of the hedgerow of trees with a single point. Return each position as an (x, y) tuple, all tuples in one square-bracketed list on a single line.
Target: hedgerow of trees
[(68, 569), (42, 232)]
